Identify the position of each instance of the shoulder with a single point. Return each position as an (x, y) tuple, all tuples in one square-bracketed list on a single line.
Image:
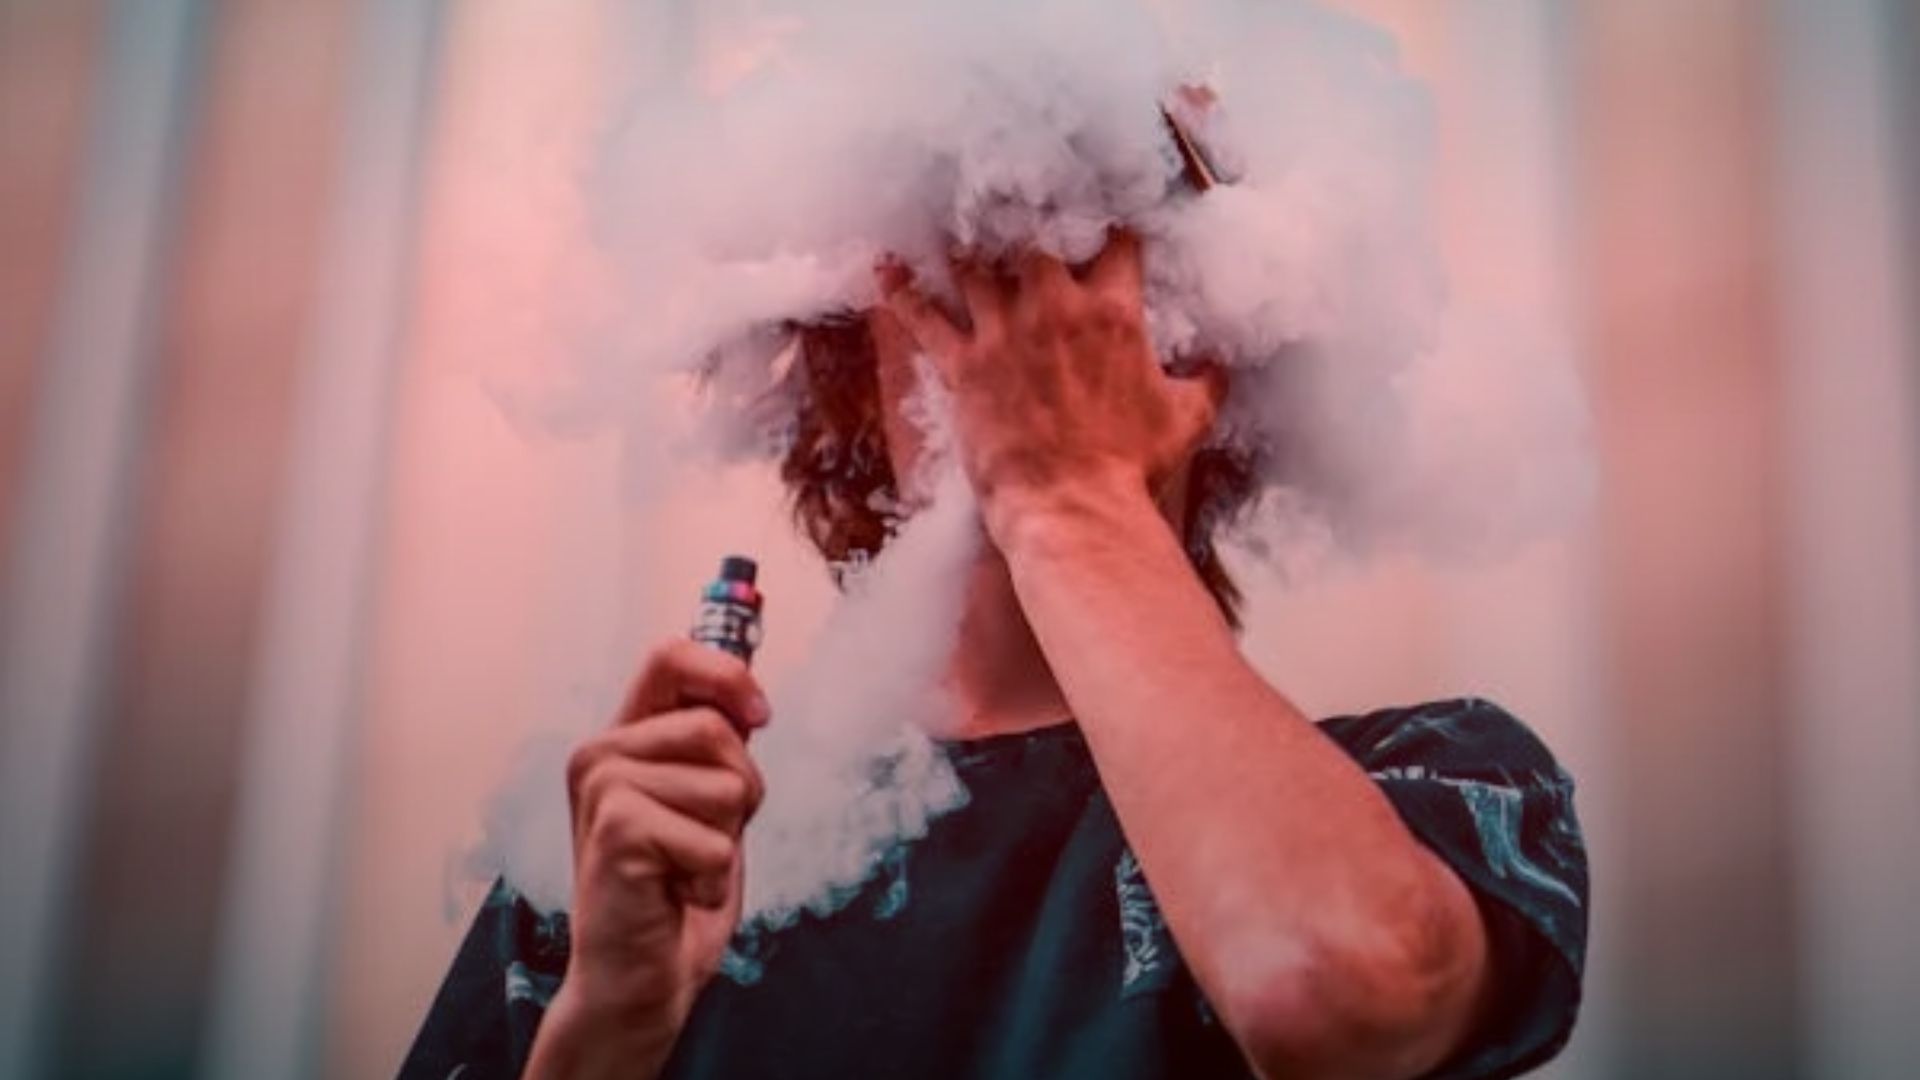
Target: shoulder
[(1468, 738)]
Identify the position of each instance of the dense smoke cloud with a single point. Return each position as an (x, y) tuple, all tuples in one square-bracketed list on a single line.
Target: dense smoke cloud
[(766, 156)]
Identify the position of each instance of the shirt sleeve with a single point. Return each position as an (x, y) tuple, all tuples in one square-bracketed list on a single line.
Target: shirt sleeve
[(482, 1022), (1482, 791)]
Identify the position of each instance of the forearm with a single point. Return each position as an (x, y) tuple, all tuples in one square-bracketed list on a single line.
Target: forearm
[(1308, 913)]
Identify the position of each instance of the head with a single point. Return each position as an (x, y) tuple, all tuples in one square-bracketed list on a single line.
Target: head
[(854, 448)]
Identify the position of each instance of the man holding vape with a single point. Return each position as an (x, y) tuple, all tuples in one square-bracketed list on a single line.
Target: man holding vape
[(1188, 877)]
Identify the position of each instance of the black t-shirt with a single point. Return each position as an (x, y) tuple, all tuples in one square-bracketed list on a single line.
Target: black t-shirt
[(1019, 938)]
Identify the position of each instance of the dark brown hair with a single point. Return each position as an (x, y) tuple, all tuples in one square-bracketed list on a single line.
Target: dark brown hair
[(841, 482)]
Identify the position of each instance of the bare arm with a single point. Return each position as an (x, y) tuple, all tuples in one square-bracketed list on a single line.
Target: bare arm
[(1332, 943), (659, 800)]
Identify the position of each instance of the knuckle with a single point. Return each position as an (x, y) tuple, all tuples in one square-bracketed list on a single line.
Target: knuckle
[(735, 789), (712, 731), (633, 870), (581, 762), (717, 854), (756, 789), (616, 828), (596, 791), (605, 833)]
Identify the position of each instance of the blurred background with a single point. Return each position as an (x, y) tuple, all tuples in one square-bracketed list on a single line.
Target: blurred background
[(284, 589)]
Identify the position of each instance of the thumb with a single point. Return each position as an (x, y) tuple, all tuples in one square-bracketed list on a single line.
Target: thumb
[(915, 315), (1196, 403), (895, 349)]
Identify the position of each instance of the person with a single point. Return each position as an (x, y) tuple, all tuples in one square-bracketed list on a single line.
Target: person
[(1164, 868)]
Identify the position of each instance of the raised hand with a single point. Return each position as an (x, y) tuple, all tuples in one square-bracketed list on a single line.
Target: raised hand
[(1056, 390), (659, 802)]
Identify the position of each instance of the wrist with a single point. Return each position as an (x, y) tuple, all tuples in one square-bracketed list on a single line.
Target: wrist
[(582, 1039), (1034, 521)]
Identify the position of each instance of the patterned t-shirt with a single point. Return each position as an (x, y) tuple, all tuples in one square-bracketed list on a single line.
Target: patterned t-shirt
[(1019, 937)]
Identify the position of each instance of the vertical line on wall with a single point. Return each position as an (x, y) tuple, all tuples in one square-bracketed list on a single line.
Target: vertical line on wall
[(67, 557), (269, 995)]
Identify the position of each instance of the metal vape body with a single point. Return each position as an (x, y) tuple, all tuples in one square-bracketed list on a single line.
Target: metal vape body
[(729, 614)]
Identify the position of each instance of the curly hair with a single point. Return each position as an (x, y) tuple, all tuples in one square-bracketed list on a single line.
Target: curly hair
[(840, 480)]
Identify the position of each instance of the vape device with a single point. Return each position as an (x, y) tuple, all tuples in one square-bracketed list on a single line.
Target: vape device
[(1183, 113), (729, 613)]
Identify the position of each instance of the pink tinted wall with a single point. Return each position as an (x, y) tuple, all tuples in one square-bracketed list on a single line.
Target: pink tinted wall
[(1702, 199)]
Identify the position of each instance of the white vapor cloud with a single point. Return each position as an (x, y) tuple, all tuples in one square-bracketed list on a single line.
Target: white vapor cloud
[(766, 154)]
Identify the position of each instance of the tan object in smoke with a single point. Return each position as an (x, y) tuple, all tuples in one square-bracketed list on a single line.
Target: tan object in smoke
[(1192, 101)]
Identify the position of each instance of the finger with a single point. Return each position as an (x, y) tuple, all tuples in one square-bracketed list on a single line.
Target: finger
[(1042, 275), (692, 736), (1210, 375), (689, 736), (1197, 399), (986, 298), (713, 796), (681, 670), (1117, 269), (635, 839), (894, 350), (922, 319)]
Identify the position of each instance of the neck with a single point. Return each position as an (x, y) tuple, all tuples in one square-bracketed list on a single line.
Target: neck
[(998, 677)]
